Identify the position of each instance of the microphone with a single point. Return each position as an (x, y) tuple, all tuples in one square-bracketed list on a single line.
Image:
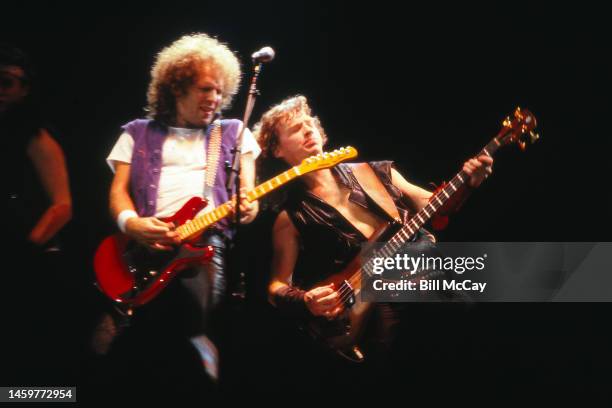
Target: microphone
[(266, 54)]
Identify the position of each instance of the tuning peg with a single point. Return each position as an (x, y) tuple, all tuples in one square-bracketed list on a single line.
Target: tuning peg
[(518, 113), (533, 136), (522, 145)]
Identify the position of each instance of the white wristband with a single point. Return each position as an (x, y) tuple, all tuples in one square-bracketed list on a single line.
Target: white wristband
[(123, 217)]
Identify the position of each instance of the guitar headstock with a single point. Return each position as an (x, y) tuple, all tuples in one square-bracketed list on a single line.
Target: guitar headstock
[(519, 129), (327, 159)]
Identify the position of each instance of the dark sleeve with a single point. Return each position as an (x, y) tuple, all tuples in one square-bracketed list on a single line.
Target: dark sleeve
[(290, 302), (382, 169)]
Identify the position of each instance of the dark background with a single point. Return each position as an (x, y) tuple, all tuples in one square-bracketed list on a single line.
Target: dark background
[(426, 87)]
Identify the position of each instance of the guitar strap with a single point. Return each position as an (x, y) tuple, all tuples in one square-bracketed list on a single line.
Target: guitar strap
[(374, 188), (213, 152)]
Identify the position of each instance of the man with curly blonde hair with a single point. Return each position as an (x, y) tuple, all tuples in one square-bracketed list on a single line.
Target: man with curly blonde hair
[(328, 214), (177, 153)]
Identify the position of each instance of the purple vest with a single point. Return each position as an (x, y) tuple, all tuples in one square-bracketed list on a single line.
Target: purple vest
[(146, 163)]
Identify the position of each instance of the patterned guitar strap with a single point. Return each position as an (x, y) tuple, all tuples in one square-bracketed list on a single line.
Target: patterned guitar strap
[(213, 152)]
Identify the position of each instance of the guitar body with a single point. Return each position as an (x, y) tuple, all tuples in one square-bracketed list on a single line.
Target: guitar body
[(342, 334), (133, 275)]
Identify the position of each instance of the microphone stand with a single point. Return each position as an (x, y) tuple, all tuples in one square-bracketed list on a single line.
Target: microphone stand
[(233, 179)]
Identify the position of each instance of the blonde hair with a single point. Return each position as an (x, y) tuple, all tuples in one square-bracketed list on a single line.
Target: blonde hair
[(177, 66), (266, 131)]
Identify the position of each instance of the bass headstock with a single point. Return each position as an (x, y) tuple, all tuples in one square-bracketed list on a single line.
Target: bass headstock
[(519, 129)]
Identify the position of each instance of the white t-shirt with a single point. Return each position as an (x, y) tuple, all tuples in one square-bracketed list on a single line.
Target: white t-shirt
[(183, 171)]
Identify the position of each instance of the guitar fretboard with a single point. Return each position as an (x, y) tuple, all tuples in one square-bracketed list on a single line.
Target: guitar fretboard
[(200, 223)]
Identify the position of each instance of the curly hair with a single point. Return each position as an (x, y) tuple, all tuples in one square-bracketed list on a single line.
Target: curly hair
[(266, 130), (176, 68), (266, 134)]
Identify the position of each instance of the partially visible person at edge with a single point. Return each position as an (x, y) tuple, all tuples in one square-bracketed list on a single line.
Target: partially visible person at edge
[(38, 184), (37, 205)]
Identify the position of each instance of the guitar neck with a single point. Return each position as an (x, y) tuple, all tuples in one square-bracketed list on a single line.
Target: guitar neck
[(200, 223), (407, 232)]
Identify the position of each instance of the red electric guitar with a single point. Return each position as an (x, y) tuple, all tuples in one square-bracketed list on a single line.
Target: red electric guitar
[(132, 274)]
